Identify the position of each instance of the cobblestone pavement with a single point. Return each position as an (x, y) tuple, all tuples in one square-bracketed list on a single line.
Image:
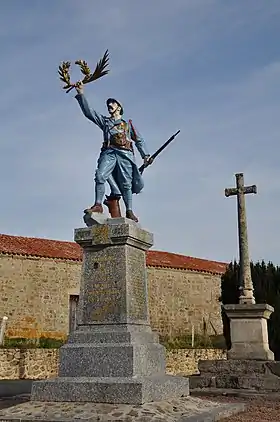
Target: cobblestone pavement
[(183, 409), (258, 408)]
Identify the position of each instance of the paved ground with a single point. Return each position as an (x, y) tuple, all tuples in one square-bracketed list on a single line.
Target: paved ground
[(5, 403), (187, 409), (259, 409)]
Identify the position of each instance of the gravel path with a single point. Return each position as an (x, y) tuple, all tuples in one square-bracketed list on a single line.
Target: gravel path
[(259, 409)]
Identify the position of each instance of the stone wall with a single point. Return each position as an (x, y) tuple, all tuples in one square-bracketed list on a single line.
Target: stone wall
[(184, 361), (43, 363), (35, 293), (28, 363), (180, 298)]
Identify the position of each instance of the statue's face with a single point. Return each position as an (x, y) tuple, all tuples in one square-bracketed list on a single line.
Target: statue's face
[(113, 107)]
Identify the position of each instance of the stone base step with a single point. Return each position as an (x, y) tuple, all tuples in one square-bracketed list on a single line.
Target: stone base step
[(136, 390), (239, 367), (237, 374), (255, 382), (218, 392)]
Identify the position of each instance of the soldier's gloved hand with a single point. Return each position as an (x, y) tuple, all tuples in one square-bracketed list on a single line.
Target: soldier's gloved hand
[(148, 160), (79, 87)]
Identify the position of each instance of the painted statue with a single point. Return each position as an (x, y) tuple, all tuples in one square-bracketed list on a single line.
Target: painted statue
[(116, 164)]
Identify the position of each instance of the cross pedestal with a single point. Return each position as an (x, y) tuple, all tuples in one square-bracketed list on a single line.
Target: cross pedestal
[(248, 331), (113, 356)]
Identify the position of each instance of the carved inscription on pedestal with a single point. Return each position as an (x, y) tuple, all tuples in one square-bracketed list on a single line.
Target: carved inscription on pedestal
[(102, 296), (137, 286)]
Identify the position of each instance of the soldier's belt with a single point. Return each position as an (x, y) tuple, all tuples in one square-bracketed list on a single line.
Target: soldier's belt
[(119, 141), (127, 147)]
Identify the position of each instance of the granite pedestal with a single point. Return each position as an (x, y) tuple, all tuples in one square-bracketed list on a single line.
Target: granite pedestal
[(113, 356), (233, 374), (248, 331), (250, 364)]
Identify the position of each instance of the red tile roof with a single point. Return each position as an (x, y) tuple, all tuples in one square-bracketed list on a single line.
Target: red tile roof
[(34, 246), (173, 260), (57, 249)]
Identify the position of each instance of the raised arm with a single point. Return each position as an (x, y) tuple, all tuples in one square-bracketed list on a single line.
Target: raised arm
[(139, 141), (89, 113)]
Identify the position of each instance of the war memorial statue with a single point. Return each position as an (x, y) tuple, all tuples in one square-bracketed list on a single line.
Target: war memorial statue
[(112, 366), (116, 164)]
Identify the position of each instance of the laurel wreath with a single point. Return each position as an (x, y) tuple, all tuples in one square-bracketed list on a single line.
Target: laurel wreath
[(99, 71)]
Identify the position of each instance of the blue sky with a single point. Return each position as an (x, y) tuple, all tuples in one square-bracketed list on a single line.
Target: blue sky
[(210, 68)]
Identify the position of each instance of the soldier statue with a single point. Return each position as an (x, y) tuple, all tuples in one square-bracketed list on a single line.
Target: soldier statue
[(116, 163)]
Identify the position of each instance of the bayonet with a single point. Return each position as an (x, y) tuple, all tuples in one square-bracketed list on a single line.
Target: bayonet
[(142, 168)]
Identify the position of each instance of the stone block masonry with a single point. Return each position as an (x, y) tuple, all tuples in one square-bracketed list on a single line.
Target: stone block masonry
[(186, 361), (28, 363), (253, 375), (34, 295), (38, 364), (179, 298), (35, 291)]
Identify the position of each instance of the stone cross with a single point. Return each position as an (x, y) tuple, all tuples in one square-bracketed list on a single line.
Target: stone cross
[(246, 284)]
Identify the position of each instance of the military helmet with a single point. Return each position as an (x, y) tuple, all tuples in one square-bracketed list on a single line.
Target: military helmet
[(113, 100)]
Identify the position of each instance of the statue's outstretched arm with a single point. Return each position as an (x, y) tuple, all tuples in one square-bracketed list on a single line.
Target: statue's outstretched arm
[(89, 113)]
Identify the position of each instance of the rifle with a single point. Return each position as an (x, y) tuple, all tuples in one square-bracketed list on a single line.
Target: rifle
[(142, 168)]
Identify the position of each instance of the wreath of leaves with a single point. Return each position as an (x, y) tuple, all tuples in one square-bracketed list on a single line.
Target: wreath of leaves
[(84, 69), (64, 75), (99, 71)]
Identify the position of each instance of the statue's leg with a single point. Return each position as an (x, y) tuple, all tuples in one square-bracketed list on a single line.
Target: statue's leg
[(115, 191), (125, 173), (105, 166), (112, 200)]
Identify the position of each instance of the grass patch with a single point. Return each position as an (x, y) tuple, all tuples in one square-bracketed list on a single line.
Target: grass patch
[(26, 343), (179, 342), (200, 342)]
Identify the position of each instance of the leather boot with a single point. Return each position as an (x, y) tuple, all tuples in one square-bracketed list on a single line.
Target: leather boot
[(131, 216), (112, 202), (95, 208)]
